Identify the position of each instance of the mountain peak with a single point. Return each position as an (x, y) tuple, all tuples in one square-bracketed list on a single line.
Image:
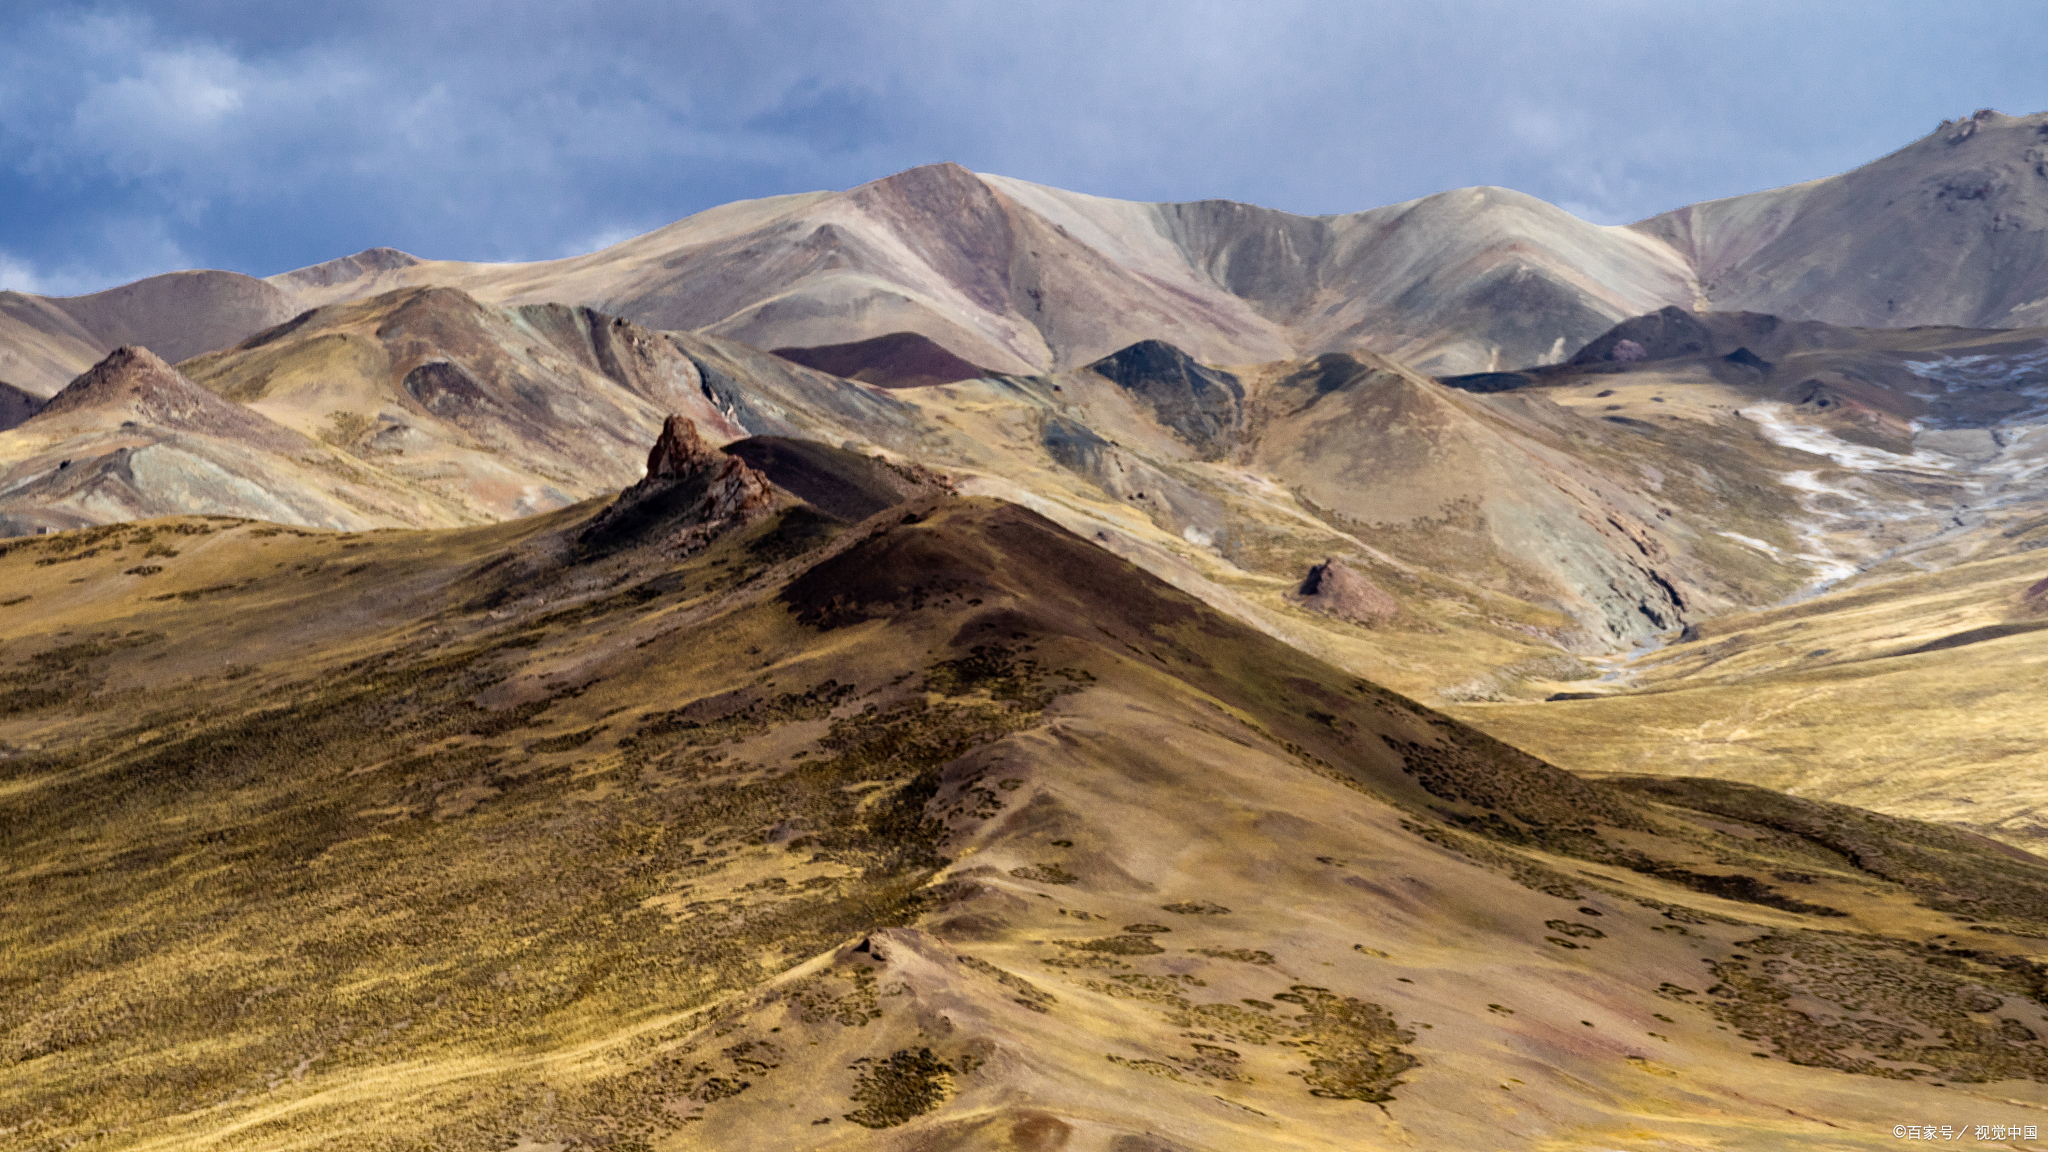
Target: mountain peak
[(680, 451), (343, 269), (130, 374), (134, 383)]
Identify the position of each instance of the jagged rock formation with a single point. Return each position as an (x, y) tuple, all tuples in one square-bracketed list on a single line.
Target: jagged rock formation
[(692, 493), (1337, 589)]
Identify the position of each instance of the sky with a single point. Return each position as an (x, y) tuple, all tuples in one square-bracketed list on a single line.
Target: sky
[(260, 137)]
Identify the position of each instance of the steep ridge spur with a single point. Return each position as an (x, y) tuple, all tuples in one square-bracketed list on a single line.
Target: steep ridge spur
[(944, 830)]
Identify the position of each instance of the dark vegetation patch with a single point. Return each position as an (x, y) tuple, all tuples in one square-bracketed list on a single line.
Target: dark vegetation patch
[(1947, 869), (1129, 944), (1353, 1045), (1045, 874), (191, 594), (1241, 955), (567, 742), (1736, 886), (899, 1089), (1976, 636), (1882, 1008), (65, 676)]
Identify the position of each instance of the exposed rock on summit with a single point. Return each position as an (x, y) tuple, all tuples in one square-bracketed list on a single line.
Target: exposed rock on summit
[(1334, 588), (691, 494)]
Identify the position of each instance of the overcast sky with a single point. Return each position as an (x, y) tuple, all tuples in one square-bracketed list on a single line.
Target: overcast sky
[(259, 137)]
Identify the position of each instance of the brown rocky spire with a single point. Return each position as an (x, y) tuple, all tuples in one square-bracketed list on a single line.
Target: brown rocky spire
[(692, 493)]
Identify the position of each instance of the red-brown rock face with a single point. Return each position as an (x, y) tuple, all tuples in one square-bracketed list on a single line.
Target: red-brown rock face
[(1332, 587), (692, 494)]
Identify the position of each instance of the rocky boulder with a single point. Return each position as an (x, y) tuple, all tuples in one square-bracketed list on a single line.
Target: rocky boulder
[(1334, 588)]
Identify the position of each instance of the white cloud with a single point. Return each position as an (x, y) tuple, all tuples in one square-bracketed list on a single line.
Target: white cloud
[(18, 275)]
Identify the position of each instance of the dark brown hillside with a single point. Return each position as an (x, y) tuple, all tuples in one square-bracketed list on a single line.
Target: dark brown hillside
[(894, 360)]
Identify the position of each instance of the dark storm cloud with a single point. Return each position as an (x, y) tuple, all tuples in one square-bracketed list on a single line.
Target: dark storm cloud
[(136, 138)]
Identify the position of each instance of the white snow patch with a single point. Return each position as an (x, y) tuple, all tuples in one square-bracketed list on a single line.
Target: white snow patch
[(1752, 541), (1785, 433)]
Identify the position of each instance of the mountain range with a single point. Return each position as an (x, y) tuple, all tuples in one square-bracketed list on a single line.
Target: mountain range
[(959, 664), (1021, 278)]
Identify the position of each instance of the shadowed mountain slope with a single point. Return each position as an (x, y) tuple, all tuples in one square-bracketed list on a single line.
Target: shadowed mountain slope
[(948, 830), (17, 405)]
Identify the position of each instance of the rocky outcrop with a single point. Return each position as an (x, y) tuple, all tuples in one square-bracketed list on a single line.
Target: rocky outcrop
[(1334, 588), (692, 494)]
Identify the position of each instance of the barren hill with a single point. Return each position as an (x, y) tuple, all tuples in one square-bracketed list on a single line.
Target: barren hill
[(1951, 229)]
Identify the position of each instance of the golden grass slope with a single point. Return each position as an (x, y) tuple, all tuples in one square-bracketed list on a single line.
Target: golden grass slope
[(945, 831), (1919, 695)]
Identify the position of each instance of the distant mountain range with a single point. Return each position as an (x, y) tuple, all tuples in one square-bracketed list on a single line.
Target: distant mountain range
[(1016, 277)]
